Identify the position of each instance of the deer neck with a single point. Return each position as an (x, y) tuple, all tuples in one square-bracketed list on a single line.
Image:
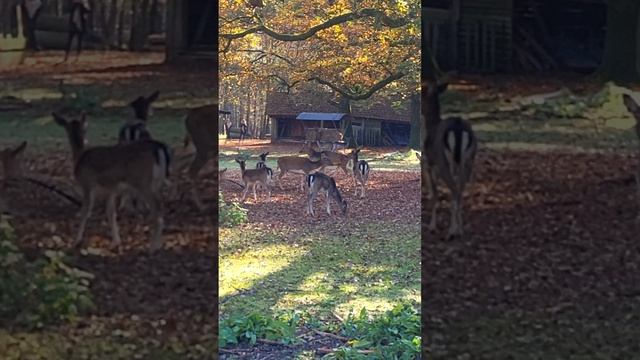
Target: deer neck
[(77, 145)]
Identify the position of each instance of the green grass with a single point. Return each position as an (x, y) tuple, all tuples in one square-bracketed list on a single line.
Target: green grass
[(375, 267)]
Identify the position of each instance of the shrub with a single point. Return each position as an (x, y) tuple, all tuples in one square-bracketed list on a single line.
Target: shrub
[(41, 292), (231, 214), (238, 329)]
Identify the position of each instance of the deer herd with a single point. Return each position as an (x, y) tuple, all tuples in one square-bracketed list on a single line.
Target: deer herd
[(139, 167), (313, 180), (136, 168)]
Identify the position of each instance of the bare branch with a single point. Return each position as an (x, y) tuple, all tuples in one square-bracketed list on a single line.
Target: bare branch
[(361, 96)]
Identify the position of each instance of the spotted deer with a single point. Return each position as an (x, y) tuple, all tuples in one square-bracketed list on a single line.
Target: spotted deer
[(262, 163), (318, 182), (360, 172), (142, 166), (253, 177), (450, 149), (202, 129), (297, 164), (337, 159), (634, 109)]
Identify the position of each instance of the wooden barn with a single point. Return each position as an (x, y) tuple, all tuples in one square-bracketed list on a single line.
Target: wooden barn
[(374, 123), (515, 35), (192, 30)]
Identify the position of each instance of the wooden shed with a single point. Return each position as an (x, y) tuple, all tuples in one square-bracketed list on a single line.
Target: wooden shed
[(471, 35), (374, 123), (192, 30)]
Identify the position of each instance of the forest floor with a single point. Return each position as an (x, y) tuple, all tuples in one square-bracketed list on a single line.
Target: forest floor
[(325, 267), (148, 306), (548, 267)]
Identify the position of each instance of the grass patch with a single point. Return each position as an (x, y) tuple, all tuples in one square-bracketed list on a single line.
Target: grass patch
[(374, 267)]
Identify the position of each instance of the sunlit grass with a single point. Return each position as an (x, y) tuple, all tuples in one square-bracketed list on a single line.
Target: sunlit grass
[(375, 267)]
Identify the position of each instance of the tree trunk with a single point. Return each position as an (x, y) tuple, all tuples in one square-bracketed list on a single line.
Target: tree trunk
[(621, 41), (347, 128), (121, 15), (415, 112), (139, 25)]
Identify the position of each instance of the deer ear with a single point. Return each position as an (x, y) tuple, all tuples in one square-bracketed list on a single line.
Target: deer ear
[(153, 97), (20, 148), (630, 103)]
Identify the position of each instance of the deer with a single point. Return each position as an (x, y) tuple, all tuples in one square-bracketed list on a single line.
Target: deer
[(202, 129), (263, 160), (136, 128), (633, 107), (317, 182), (337, 159), (299, 164), (360, 172), (450, 148), (10, 159), (142, 166), (253, 177)]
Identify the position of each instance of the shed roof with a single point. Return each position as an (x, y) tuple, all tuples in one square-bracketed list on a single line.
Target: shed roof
[(292, 104), (320, 116)]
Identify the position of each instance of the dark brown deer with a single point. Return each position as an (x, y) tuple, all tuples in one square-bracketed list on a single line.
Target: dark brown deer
[(318, 182)]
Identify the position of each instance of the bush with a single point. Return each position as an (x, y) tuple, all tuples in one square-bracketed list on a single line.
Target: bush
[(231, 214), (41, 292), (238, 329)]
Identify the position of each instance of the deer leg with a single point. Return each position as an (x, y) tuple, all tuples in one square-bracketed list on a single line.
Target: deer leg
[(344, 169), (158, 221), (244, 193), (255, 197), (268, 192), (113, 221), (195, 167), (282, 172), (87, 206), (455, 228), (312, 198), (328, 201)]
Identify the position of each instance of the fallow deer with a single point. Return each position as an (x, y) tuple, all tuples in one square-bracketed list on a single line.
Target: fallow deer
[(142, 166), (202, 129), (136, 129), (263, 160), (360, 172), (634, 109), (337, 159), (450, 147), (317, 182), (297, 164), (253, 177)]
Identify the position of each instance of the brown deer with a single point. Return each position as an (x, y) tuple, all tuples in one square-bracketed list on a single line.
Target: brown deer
[(317, 182), (634, 109), (253, 177), (360, 172), (298, 164), (337, 159), (202, 129), (142, 166), (450, 147)]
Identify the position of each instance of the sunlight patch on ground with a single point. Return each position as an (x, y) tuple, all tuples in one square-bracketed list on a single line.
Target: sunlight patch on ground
[(243, 270)]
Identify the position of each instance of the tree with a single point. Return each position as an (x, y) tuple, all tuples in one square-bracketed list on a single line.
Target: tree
[(355, 49), (620, 62)]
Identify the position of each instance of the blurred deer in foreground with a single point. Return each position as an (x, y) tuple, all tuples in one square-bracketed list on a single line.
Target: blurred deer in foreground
[(142, 166), (318, 182), (12, 168), (634, 109), (450, 149), (202, 130), (360, 172)]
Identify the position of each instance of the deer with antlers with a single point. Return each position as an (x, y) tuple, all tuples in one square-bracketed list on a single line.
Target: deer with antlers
[(450, 147), (634, 109), (360, 172), (142, 166), (253, 177), (318, 182)]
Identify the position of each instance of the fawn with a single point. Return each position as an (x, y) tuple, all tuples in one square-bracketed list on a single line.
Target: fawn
[(253, 177)]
